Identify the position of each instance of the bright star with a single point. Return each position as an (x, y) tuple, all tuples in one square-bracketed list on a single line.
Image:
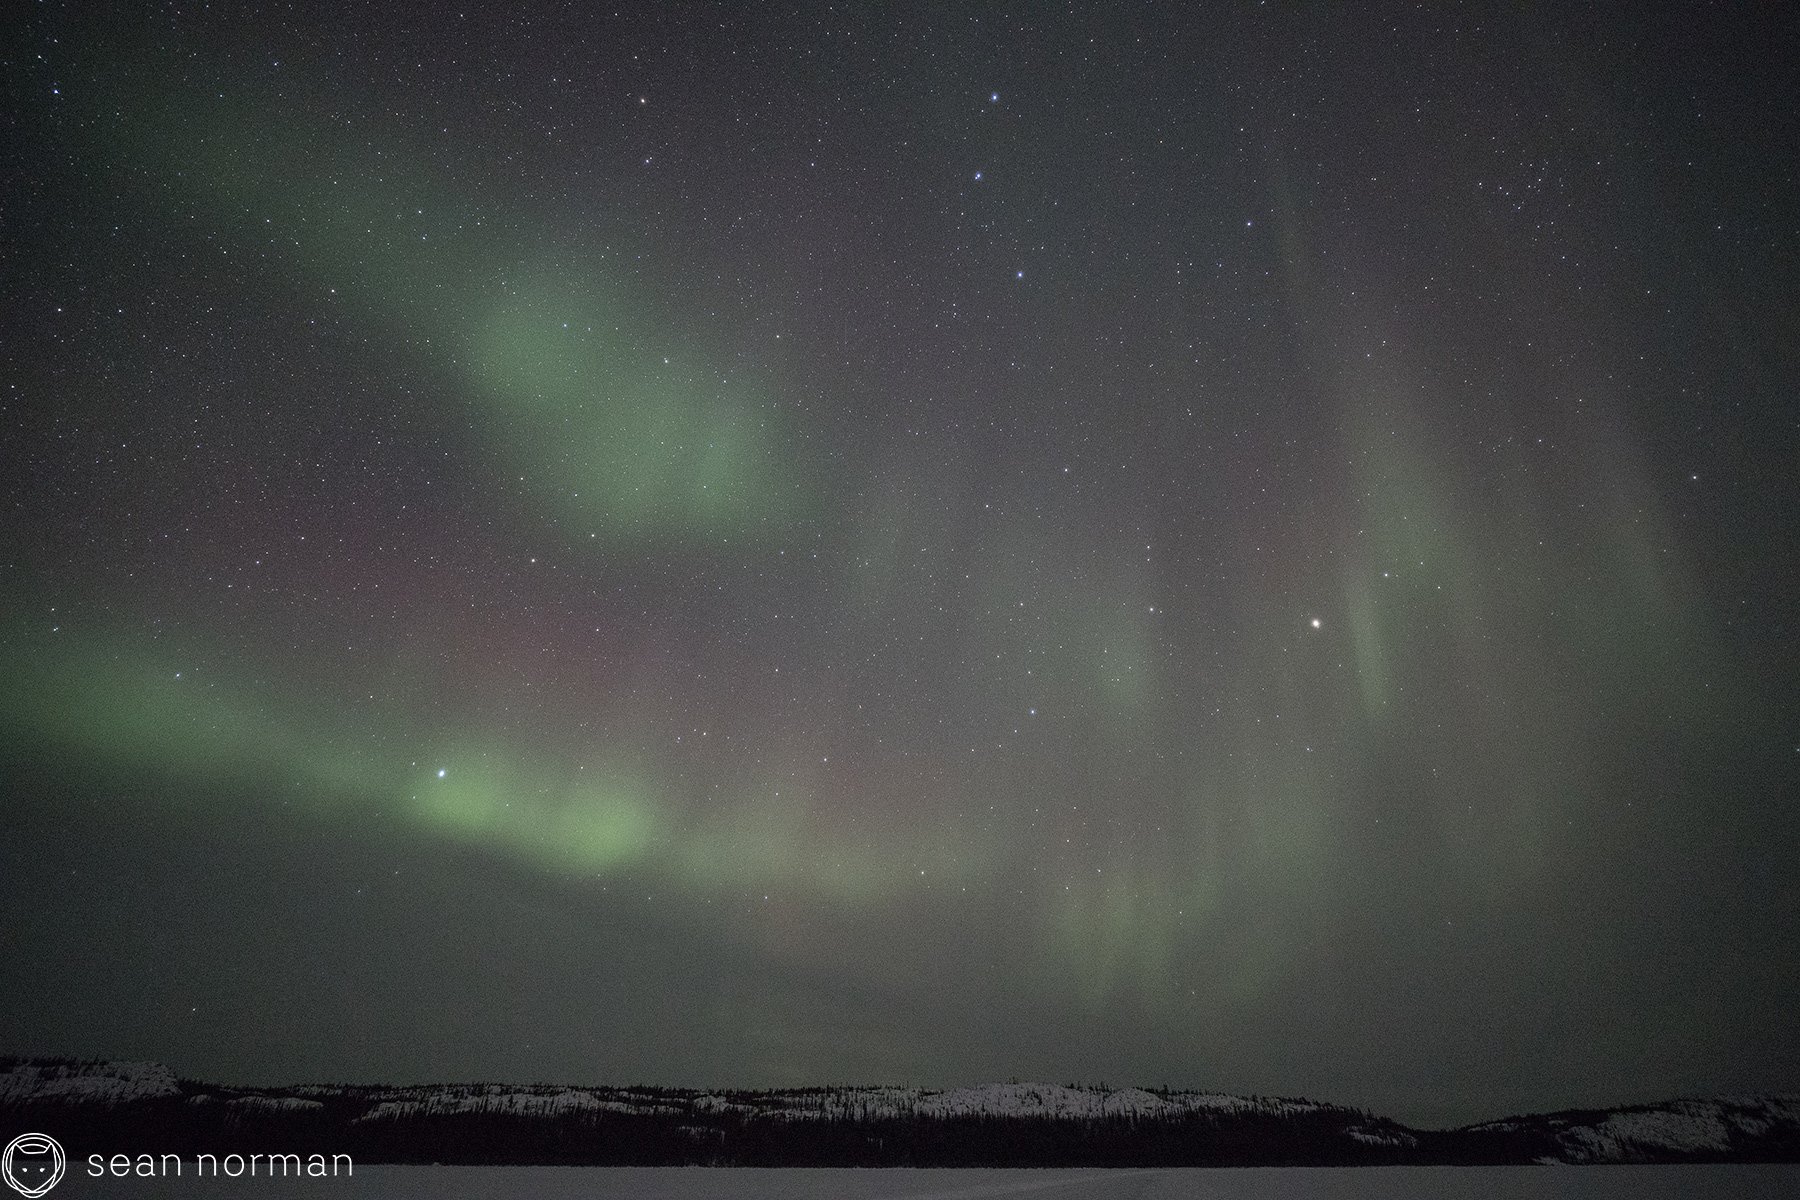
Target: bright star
[(1315, 622), (442, 772)]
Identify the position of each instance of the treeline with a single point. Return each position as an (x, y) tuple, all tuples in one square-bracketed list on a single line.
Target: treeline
[(824, 1127), (190, 1126), (647, 1126)]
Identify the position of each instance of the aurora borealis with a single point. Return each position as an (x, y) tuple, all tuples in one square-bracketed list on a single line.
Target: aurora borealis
[(1233, 546)]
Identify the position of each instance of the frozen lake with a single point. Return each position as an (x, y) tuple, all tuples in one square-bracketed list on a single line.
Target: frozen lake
[(699, 1183)]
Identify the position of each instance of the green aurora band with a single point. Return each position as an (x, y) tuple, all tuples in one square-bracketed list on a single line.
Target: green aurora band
[(625, 454)]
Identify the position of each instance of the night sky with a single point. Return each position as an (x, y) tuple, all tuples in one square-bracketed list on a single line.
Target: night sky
[(1241, 546)]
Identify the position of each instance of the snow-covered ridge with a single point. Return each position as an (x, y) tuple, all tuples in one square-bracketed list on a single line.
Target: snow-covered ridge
[(115, 1082), (1644, 1133), (865, 1123), (87, 1082), (1023, 1100), (547, 1102), (1018, 1100)]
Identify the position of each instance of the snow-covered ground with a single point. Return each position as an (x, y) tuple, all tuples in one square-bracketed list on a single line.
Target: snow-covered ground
[(700, 1183)]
